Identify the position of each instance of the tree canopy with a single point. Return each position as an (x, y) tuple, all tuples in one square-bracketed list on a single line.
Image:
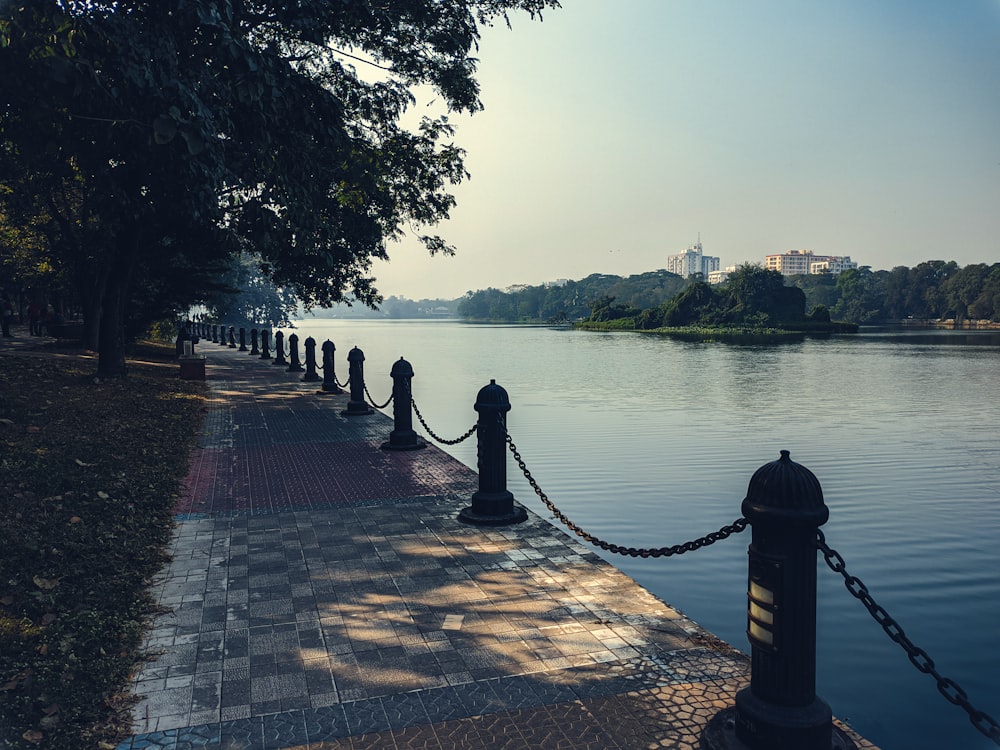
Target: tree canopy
[(153, 141), (932, 290)]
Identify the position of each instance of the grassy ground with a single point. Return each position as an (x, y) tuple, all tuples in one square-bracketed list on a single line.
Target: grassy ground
[(89, 472)]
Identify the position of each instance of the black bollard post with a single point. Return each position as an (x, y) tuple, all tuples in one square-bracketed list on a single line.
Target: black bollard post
[(402, 437), (492, 505), (243, 339), (293, 354), (265, 344), (215, 333), (232, 337), (356, 369), (254, 349), (780, 708), (223, 340), (279, 349), (311, 376), (329, 375)]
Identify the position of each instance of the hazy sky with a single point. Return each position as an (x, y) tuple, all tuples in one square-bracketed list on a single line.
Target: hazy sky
[(616, 132)]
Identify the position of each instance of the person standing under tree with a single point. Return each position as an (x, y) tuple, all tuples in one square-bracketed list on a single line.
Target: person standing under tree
[(8, 316), (35, 318)]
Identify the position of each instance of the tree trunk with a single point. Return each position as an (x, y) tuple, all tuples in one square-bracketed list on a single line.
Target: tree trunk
[(92, 323), (111, 346), (91, 284)]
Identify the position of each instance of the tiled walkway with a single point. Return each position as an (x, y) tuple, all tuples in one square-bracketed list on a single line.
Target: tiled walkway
[(323, 596)]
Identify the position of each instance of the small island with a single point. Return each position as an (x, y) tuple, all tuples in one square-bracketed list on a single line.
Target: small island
[(754, 304)]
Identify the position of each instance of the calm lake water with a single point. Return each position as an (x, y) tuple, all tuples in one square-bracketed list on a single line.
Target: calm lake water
[(646, 441)]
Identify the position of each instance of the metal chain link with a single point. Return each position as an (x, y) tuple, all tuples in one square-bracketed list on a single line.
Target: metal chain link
[(918, 657), (432, 433), (344, 384), (372, 401), (676, 549)]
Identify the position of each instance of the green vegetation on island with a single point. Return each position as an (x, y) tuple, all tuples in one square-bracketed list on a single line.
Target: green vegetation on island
[(752, 301), (931, 291)]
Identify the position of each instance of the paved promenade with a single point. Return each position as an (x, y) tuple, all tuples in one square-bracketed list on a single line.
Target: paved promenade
[(323, 596)]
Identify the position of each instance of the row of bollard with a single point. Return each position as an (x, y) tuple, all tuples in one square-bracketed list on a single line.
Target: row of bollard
[(784, 506), (492, 505)]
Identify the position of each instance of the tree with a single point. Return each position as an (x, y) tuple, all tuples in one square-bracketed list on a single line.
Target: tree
[(819, 288), (604, 310), (758, 296), (820, 314), (963, 288), (698, 304), (249, 298), (987, 304), (925, 295), (862, 295), (189, 130), (896, 292)]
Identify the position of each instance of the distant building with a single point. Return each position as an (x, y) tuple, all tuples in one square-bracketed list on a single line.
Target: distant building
[(832, 266), (796, 262), (692, 261), (720, 277), (557, 282)]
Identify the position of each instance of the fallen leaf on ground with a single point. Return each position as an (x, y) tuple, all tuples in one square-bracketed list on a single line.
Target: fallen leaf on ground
[(45, 583)]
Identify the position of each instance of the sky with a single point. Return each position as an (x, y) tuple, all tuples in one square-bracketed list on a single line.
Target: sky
[(616, 134)]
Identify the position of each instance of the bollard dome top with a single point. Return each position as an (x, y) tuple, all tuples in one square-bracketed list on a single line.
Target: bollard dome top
[(492, 397), (310, 342), (785, 491), (293, 336), (401, 369), (355, 355), (328, 345)]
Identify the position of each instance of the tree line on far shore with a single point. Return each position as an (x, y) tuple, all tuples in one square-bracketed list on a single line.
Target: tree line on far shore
[(931, 290)]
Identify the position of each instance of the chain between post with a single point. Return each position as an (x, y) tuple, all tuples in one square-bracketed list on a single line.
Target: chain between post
[(431, 432), (372, 401), (920, 659), (676, 549)]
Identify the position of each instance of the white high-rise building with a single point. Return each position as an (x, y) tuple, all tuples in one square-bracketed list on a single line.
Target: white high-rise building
[(692, 261)]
